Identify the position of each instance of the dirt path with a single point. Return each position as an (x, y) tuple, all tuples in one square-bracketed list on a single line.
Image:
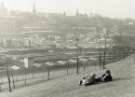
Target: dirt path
[(122, 86)]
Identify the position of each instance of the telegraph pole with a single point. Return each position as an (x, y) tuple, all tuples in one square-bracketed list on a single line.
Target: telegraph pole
[(105, 46), (77, 58), (9, 80)]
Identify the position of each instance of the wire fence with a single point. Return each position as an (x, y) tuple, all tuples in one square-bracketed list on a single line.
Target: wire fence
[(13, 79)]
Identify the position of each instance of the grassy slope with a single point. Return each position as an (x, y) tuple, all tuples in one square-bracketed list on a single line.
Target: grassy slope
[(122, 86)]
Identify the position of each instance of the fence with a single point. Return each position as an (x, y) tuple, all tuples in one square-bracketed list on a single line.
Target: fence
[(32, 75)]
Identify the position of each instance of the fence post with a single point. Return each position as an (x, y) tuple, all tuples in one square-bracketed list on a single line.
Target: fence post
[(25, 80), (100, 59), (77, 64), (67, 68), (48, 73)]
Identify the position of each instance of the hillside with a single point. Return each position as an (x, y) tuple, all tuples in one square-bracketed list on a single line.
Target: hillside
[(122, 86)]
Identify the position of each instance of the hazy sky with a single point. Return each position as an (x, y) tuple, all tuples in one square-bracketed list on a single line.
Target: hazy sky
[(111, 8)]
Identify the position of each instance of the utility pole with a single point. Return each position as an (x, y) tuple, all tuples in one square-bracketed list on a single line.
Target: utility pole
[(13, 81), (77, 58), (105, 46), (9, 81), (26, 65)]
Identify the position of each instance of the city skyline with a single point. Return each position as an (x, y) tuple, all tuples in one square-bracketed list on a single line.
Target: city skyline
[(109, 8)]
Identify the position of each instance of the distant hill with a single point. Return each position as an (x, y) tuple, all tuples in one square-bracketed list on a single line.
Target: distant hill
[(29, 30)]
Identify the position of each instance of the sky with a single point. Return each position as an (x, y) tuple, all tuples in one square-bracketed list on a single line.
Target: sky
[(109, 8)]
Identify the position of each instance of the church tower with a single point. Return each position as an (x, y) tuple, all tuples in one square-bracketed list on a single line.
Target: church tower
[(77, 13), (34, 9), (3, 9)]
